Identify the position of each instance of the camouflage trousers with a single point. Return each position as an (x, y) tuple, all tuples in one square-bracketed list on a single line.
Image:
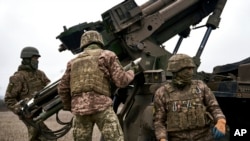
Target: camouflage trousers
[(35, 135), (106, 121), (201, 134)]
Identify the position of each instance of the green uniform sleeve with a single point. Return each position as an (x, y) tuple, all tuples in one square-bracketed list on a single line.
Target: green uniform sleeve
[(160, 114), (12, 92)]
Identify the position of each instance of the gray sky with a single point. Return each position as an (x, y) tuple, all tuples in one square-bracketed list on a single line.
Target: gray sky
[(38, 22)]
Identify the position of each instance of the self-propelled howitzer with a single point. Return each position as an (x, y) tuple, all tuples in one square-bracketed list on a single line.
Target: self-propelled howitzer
[(139, 31), (133, 31)]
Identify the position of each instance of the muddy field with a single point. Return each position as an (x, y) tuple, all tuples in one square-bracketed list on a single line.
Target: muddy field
[(12, 129)]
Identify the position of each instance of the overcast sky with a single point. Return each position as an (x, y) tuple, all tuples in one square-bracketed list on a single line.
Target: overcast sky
[(38, 22)]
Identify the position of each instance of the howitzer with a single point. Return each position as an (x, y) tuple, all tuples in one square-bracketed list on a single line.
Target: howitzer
[(133, 31)]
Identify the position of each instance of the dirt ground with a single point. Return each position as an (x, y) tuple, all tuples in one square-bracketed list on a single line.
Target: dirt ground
[(12, 129)]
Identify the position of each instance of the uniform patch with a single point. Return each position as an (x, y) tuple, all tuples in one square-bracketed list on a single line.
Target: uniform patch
[(10, 87)]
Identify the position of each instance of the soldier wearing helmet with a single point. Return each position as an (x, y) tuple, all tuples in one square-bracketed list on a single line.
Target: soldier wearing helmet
[(30, 57), (23, 84), (186, 109), (85, 89)]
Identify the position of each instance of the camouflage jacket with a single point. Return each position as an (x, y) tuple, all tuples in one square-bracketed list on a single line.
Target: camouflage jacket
[(161, 106), (91, 102), (23, 84)]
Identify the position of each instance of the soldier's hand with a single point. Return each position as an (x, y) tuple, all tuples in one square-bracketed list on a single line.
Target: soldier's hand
[(219, 129), (17, 110), (17, 107)]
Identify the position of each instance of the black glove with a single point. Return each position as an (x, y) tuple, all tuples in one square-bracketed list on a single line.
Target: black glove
[(18, 112)]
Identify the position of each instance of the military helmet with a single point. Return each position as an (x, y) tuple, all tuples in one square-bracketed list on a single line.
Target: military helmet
[(90, 37), (28, 52), (179, 61)]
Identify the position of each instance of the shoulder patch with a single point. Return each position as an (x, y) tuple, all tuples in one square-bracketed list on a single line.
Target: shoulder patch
[(10, 87)]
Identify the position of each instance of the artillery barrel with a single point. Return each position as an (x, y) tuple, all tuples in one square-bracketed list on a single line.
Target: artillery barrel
[(175, 8), (153, 6), (146, 4)]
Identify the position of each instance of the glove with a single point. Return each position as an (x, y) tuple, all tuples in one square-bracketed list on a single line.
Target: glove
[(219, 130), (17, 110)]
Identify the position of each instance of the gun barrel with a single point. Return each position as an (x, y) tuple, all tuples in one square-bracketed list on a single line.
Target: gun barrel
[(46, 114), (176, 7), (153, 6), (146, 4), (166, 8)]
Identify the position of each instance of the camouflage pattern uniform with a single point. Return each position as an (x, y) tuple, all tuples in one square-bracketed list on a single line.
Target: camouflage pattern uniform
[(184, 110), (88, 96), (23, 85)]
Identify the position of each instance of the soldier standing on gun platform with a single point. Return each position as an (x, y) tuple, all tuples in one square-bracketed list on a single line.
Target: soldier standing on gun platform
[(183, 106), (24, 84), (85, 89)]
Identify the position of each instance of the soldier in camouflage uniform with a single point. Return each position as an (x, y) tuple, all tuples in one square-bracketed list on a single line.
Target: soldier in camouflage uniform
[(85, 89), (24, 84), (186, 109)]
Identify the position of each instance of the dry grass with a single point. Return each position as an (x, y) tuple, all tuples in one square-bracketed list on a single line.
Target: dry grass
[(12, 129)]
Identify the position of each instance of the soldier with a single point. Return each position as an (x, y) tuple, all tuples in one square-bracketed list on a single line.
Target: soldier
[(185, 109), (85, 89), (25, 82)]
